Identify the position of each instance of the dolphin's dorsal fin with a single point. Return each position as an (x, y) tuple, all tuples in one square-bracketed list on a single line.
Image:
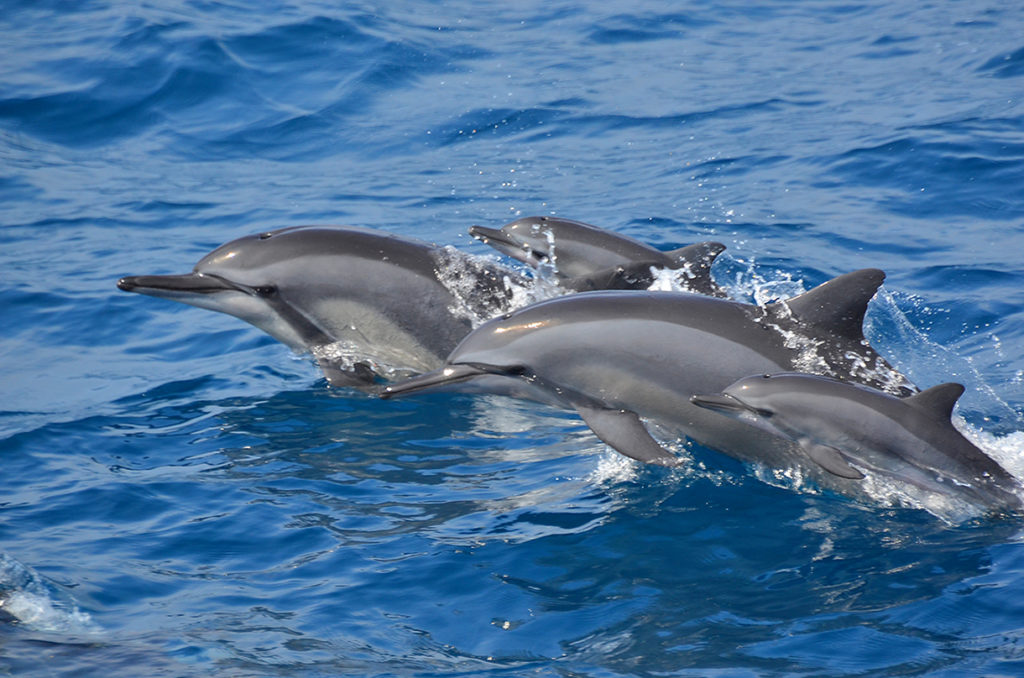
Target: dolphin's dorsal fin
[(838, 305), (938, 400), (625, 433), (830, 459), (699, 255)]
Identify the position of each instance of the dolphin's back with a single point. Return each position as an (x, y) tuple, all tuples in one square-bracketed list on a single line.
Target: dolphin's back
[(273, 247)]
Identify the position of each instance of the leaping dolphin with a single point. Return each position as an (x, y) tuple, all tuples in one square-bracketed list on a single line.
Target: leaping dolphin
[(388, 300), (848, 429), (617, 356), (585, 257)]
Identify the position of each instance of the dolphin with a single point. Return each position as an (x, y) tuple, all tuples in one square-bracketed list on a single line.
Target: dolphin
[(586, 257), (389, 301), (617, 356), (849, 428)]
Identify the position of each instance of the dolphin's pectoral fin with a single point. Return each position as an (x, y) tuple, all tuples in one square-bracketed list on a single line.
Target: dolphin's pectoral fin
[(830, 459), (359, 375), (625, 433)]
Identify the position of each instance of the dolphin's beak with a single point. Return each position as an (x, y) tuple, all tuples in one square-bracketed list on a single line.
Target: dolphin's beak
[(497, 239), (729, 406), (174, 285), (449, 374), (488, 234), (719, 403)]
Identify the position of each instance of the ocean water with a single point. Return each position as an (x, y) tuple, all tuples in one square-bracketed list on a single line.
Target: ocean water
[(184, 496)]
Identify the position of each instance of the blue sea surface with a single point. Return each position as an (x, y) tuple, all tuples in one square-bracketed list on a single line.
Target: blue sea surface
[(183, 496)]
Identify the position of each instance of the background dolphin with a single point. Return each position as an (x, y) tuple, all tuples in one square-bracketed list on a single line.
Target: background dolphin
[(388, 302), (586, 257), (848, 427), (618, 356)]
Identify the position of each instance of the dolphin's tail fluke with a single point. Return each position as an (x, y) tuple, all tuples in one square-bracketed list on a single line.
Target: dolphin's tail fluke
[(432, 381)]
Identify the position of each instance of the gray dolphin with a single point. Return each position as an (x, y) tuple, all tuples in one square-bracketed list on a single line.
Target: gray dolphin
[(384, 298), (586, 257), (618, 356), (848, 427)]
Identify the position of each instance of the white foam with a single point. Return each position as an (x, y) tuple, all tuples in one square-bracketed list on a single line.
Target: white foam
[(749, 284), (672, 280), (461, 273), (1007, 450), (612, 468), (37, 604), (346, 355), (880, 491)]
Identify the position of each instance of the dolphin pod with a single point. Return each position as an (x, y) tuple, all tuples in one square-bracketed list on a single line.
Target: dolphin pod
[(845, 427), (619, 356)]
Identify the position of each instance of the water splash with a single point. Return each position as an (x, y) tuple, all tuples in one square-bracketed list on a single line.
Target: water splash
[(1007, 450), (484, 288), (673, 279), (879, 491), (748, 283), (928, 362), (352, 357), (37, 604)]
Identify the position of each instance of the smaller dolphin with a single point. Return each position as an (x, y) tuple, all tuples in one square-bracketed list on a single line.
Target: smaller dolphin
[(586, 257), (848, 429), (392, 302)]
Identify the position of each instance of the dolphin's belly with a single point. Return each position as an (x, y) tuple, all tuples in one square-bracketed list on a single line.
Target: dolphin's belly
[(366, 331), (655, 368), (395, 315)]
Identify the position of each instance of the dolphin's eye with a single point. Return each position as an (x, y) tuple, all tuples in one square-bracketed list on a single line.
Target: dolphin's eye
[(540, 256), (264, 291), (264, 236), (766, 376)]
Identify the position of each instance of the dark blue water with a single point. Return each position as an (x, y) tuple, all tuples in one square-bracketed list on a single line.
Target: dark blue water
[(183, 496)]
